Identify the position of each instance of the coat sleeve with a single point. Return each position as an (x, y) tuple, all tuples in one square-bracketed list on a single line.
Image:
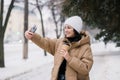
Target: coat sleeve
[(84, 64), (44, 43)]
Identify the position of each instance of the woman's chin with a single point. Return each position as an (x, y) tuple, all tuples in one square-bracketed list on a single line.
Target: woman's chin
[(68, 36)]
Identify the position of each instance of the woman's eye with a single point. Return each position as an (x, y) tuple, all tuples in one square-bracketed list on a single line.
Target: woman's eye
[(68, 27)]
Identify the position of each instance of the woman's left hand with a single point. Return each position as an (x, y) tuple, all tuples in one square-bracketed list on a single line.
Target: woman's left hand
[(65, 54)]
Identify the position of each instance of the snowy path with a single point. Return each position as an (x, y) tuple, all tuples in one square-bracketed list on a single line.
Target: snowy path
[(40, 73), (38, 67), (15, 65), (106, 67)]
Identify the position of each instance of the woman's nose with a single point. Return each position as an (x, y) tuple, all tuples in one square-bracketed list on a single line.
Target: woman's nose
[(66, 29)]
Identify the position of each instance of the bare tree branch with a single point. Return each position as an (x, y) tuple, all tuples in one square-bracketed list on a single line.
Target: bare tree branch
[(8, 14)]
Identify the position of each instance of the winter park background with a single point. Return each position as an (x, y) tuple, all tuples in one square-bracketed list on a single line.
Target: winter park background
[(37, 66)]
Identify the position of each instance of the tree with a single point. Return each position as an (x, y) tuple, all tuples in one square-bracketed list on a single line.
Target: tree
[(58, 19), (41, 17), (104, 14), (3, 28), (25, 45)]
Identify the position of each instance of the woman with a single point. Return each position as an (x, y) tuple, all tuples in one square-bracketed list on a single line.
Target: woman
[(72, 54)]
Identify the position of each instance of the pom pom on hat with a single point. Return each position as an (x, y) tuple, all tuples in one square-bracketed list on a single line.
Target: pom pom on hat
[(75, 22)]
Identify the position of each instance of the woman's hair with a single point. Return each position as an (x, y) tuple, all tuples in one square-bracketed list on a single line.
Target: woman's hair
[(77, 36)]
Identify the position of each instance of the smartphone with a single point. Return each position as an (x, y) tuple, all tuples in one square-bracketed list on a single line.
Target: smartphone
[(33, 29)]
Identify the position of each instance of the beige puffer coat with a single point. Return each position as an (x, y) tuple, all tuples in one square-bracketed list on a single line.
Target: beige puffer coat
[(80, 63)]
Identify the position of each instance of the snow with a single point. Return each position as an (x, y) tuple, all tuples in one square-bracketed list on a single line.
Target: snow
[(101, 47), (106, 63), (16, 65)]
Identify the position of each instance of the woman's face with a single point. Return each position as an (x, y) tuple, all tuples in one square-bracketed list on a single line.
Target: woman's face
[(69, 31)]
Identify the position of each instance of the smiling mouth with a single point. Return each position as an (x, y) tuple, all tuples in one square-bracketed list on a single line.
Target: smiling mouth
[(67, 34)]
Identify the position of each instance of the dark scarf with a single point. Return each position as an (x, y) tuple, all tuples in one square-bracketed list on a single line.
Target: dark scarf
[(76, 38)]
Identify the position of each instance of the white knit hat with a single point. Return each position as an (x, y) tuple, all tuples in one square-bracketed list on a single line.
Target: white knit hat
[(75, 22)]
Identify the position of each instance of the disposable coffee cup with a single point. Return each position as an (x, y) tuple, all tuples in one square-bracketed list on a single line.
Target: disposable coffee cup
[(65, 47)]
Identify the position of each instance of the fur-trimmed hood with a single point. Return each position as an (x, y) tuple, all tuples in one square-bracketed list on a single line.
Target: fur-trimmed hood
[(84, 40)]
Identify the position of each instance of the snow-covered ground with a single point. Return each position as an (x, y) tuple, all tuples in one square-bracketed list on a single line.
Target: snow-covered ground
[(106, 62), (38, 67), (15, 65)]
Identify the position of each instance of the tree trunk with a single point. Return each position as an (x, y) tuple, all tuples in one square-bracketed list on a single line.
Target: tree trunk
[(41, 17), (54, 18), (25, 44), (3, 28), (57, 30), (43, 30), (1, 36), (1, 52)]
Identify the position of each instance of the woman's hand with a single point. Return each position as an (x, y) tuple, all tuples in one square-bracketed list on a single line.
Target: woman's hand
[(65, 54), (28, 35)]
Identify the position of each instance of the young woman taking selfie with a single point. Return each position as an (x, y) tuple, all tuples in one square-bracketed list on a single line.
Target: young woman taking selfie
[(72, 54)]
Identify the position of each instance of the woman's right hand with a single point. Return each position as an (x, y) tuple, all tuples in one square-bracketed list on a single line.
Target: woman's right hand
[(28, 35)]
